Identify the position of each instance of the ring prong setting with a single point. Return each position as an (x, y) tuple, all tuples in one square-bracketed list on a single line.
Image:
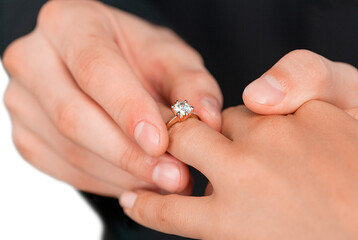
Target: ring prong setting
[(181, 111)]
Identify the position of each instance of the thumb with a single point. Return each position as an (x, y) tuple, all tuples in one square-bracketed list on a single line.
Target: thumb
[(301, 76)]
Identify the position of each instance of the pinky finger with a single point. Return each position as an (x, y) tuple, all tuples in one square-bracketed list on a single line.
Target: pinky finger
[(41, 156), (173, 214)]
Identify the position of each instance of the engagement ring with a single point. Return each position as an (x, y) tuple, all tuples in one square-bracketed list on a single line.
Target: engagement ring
[(182, 111)]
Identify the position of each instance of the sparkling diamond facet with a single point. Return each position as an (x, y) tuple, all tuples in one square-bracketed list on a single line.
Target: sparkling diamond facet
[(183, 108)]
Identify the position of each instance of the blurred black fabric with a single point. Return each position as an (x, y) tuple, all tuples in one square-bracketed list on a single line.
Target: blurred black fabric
[(238, 39)]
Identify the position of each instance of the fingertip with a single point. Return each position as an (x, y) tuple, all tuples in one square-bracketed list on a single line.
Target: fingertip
[(171, 174), (255, 107), (266, 90), (265, 95), (153, 139), (127, 200), (211, 112)]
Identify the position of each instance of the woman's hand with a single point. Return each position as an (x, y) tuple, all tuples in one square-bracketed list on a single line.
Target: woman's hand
[(83, 97), (273, 177)]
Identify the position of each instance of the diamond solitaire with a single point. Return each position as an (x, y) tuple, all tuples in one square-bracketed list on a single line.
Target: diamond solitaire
[(182, 108), (182, 111)]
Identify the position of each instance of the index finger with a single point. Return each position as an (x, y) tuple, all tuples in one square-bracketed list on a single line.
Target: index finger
[(91, 54)]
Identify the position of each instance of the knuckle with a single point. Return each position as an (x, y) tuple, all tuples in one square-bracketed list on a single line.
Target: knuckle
[(76, 156), (74, 54), (23, 146), (316, 67), (13, 101), (67, 119), (169, 45), (170, 40), (54, 15), (301, 54), (122, 109), (165, 33), (197, 77), (50, 11), (141, 207), (13, 56), (194, 79), (129, 156), (80, 181), (10, 99), (87, 64), (192, 56), (125, 109), (161, 214)]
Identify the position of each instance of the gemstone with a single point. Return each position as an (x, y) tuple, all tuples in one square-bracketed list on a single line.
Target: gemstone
[(183, 108)]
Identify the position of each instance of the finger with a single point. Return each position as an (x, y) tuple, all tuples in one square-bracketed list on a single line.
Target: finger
[(199, 88), (173, 214), (328, 117), (34, 119), (176, 69), (237, 121), (192, 141), (301, 76), (100, 69), (81, 120), (38, 154)]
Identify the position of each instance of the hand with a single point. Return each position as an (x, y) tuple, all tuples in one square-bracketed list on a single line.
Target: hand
[(84, 91), (301, 76), (273, 177)]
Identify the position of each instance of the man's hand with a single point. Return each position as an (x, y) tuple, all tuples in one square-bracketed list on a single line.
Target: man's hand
[(83, 97), (273, 177), (301, 76)]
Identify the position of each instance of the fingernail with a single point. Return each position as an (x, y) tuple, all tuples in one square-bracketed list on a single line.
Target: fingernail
[(212, 106), (265, 90), (147, 136), (166, 175), (127, 199)]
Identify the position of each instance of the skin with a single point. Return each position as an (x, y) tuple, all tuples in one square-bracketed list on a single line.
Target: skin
[(291, 176), (303, 75), (84, 92), (273, 177)]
